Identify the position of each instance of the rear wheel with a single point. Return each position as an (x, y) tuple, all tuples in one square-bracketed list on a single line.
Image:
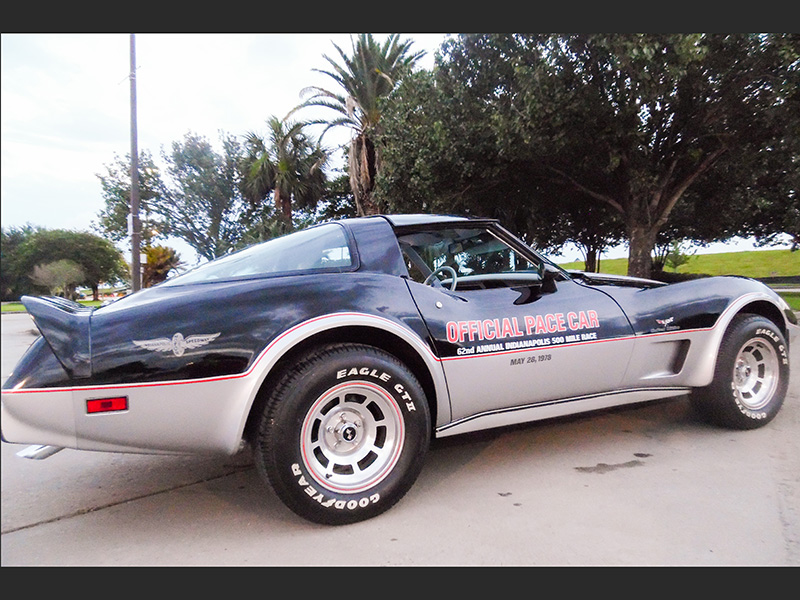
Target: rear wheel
[(344, 436), (751, 376)]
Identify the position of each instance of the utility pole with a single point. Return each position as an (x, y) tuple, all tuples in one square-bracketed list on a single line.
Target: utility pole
[(134, 224)]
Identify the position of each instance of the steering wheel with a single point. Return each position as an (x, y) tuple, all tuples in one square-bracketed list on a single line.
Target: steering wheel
[(431, 279)]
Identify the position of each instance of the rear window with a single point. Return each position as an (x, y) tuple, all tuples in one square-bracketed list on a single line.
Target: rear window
[(320, 248)]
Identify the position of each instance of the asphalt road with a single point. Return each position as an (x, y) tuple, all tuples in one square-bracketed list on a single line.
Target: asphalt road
[(643, 485)]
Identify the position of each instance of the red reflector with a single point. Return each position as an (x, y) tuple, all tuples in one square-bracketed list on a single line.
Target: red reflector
[(107, 404)]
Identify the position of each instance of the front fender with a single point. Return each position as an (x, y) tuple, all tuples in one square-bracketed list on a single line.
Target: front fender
[(704, 354)]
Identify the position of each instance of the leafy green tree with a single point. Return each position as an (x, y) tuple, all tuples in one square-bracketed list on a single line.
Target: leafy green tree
[(161, 261), (678, 255), (261, 222), (776, 221), (748, 194), (201, 202), (14, 280), (338, 201), (591, 226), (264, 223), (99, 259), (632, 122), (766, 204), (365, 78), (59, 277), (116, 190), (442, 154), (288, 165)]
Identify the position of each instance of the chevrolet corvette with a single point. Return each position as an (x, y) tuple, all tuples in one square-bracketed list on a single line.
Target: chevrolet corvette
[(336, 353)]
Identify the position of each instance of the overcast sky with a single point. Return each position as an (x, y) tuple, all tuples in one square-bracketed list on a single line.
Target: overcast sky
[(66, 106)]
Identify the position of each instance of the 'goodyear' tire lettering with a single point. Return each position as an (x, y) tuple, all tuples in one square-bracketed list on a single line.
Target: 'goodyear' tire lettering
[(344, 433), (321, 499)]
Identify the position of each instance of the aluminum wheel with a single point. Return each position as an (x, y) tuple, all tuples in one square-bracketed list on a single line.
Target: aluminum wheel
[(352, 437), (755, 374)]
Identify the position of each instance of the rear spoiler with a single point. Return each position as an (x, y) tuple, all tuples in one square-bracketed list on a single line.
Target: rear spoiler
[(65, 327)]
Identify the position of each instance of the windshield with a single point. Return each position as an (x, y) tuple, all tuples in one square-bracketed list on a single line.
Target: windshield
[(324, 247)]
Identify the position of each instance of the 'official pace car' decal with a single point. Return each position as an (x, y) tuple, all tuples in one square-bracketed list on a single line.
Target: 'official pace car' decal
[(569, 327), (178, 344), (490, 329)]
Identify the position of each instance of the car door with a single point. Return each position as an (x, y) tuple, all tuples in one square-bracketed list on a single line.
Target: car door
[(508, 339)]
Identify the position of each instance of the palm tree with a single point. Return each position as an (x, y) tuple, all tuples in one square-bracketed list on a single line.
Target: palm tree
[(369, 75), (161, 261), (289, 165)]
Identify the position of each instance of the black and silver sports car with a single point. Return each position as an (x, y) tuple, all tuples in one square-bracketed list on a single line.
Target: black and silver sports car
[(337, 352)]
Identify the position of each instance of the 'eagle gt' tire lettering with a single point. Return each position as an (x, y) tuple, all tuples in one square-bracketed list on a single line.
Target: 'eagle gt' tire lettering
[(751, 376), (344, 436)]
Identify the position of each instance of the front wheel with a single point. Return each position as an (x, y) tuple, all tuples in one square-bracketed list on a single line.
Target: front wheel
[(344, 436), (751, 376)]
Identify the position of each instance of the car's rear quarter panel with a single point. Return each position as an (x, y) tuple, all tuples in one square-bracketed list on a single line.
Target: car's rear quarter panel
[(199, 401)]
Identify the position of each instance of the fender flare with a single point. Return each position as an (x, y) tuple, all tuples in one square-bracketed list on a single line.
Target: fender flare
[(266, 361), (704, 372)]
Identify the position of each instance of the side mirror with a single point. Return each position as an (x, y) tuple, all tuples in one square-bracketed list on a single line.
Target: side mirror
[(549, 281), (534, 290)]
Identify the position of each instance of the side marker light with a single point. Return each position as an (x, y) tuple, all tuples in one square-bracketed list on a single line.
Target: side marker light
[(98, 405)]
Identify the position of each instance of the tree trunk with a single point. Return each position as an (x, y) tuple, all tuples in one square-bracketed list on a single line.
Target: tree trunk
[(362, 175), (641, 242), (283, 204), (590, 264)]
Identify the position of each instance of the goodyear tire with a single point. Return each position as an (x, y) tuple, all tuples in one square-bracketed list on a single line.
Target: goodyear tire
[(751, 376), (344, 435)]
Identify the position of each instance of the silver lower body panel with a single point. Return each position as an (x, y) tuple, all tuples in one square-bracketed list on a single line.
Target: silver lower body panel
[(555, 408)]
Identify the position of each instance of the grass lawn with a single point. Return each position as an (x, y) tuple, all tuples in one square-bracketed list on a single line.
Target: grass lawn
[(792, 299), (12, 307), (755, 264)]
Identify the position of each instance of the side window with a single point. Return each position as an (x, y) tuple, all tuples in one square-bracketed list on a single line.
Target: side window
[(475, 255), (414, 270)]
